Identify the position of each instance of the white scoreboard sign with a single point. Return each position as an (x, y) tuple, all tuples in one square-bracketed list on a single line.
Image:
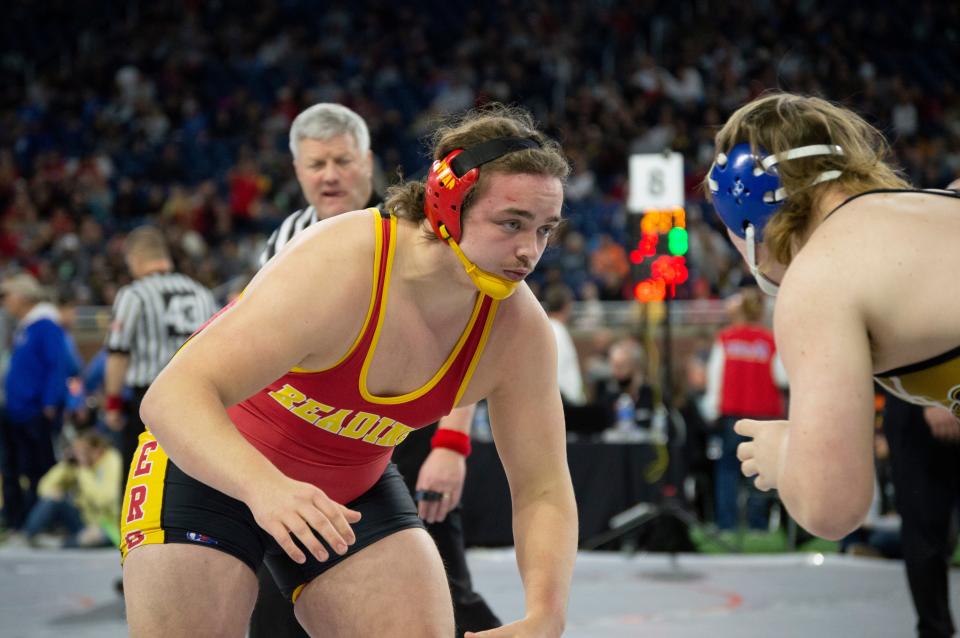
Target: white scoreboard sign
[(656, 181)]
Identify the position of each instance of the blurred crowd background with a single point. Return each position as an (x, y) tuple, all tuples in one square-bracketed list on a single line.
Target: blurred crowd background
[(177, 113)]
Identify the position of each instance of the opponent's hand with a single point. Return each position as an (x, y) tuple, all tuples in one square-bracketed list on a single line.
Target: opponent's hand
[(763, 456), (291, 509), (442, 472), (944, 426), (529, 627)]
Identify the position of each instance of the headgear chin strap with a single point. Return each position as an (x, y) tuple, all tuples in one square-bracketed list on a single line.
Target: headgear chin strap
[(447, 184), (746, 191), (767, 285), (489, 284)]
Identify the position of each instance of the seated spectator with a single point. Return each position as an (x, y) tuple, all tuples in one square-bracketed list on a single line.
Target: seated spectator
[(596, 365), (81, 493), (626, 398)]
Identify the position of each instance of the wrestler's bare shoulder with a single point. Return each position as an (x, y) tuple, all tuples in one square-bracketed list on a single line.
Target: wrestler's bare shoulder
[(331, 257), (520, 336), (520, 317), (322, 280), (336, 236)]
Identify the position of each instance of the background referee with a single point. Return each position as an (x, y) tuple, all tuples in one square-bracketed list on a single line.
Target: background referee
[(151, 318)]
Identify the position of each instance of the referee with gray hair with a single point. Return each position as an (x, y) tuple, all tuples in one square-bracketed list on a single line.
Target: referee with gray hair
[(330, 145), (152, 317)]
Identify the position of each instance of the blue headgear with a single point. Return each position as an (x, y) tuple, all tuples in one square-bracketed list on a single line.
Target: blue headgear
[(746, 191), (746, 188)]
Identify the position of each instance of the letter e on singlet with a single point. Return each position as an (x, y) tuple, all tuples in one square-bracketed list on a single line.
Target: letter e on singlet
[(309, 410), (144, 466)]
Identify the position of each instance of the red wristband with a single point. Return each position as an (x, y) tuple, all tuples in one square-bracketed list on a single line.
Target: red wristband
[(451, 440), (113, 403)]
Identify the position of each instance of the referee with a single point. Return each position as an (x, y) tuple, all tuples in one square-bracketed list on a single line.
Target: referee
[(151, 319)]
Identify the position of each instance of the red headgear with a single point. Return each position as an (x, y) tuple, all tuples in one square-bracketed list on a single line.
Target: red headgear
[(451, 178)]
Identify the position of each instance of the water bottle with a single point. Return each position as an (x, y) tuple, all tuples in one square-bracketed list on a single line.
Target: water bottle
[(481, 424), (625, 411)]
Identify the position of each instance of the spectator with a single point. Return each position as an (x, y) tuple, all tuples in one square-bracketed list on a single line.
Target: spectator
[(625, 397), (744, 380), (137, 130), (36, 391), (609, 262), (573, 260), (80, 493), (590, 316), (558, 302)]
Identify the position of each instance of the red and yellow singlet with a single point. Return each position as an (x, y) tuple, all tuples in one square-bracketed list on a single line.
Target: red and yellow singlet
[(324, 427)]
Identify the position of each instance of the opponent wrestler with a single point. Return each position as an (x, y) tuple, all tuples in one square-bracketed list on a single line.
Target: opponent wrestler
[(866, 272), (274, 424)]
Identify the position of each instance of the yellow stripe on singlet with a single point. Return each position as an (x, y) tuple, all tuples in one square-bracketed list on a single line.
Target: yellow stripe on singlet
[(378, 248), (143, 500), (476, 355), (419, 392), (297, 592)]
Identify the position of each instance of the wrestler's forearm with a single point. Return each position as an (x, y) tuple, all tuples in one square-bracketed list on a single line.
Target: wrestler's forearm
[(460, 419), (189, 421), (545, 530), (808, 478)]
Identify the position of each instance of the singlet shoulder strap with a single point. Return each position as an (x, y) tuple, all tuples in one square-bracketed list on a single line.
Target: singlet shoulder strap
[(385, 234), (945, 192)]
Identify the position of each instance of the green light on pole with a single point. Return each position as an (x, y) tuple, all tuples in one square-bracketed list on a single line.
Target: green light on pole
[(677, 241)]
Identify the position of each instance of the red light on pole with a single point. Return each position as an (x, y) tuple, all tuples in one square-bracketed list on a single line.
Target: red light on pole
[(650, 290), (673, 270)]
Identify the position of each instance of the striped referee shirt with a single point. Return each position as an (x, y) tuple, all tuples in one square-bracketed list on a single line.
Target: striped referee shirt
[(151, 319), (291, 225)]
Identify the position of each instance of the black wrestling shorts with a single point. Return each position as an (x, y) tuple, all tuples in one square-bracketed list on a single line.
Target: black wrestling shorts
[(164, 505)]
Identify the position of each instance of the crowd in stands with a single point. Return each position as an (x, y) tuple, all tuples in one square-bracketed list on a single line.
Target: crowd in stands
[(177, 113)]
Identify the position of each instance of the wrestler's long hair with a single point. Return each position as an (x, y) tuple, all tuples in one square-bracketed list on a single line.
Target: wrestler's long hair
[(778, 122), (470, 129)]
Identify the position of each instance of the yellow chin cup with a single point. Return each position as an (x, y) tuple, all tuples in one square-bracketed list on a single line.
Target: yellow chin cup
[(489, 284)]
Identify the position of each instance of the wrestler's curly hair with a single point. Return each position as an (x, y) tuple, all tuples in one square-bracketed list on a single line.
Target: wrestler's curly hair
[(780, 121), (470, 129)]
